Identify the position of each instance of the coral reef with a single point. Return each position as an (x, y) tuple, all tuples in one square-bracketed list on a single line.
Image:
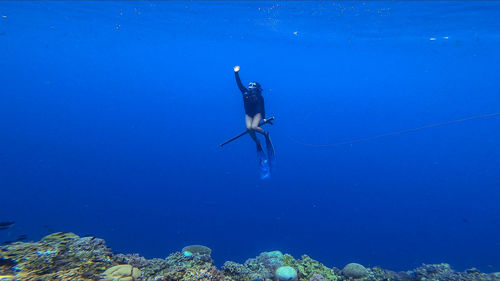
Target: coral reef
[(122, 272), (133, 259), (355, 270), (59, 256), (307, 268), (286, 273), (178, 266), (64, 256), (197, 249), (317, 277), (444, 272), (262, 267)]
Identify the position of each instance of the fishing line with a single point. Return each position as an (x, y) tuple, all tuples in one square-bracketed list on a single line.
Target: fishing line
[(398, 132)]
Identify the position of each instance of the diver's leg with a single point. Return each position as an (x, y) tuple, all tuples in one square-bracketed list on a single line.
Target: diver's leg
[(261, 156), (255, 139), (269, 144), (248, 122), (255, 124), (251, 132)]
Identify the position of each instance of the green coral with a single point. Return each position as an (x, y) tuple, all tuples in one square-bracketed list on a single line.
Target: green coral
[(307, 267)]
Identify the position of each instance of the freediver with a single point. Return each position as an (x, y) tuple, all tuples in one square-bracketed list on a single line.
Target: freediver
[(255, 111)]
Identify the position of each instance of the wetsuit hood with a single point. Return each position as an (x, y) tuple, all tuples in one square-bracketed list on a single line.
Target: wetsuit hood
[(254, 87)]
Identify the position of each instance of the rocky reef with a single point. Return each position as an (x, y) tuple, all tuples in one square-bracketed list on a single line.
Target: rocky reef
[(66, 256)]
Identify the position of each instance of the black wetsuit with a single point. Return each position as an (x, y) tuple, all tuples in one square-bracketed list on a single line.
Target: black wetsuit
[(252, 99)]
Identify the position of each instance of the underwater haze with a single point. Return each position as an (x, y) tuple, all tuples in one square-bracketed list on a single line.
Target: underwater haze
[(112, 113)]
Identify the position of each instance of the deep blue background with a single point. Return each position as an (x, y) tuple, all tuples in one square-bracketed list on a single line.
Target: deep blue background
[(111, 114)]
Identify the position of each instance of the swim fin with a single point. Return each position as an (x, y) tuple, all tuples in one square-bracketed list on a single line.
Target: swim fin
[(264, 167), (270, 150)]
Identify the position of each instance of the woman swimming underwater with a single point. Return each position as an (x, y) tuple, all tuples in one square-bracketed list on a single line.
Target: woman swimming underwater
[(255, 112)]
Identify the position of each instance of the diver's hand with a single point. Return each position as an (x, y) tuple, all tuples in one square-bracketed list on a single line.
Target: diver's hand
[(236, 68)]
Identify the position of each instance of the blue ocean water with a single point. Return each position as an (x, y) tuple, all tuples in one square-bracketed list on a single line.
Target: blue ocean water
[(111, 116)]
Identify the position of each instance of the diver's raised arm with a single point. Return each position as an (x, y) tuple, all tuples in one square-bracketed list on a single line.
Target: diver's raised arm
[(238, 80)]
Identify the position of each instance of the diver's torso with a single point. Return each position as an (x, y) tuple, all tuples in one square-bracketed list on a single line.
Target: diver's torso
[(252, 98), (254, 103)]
